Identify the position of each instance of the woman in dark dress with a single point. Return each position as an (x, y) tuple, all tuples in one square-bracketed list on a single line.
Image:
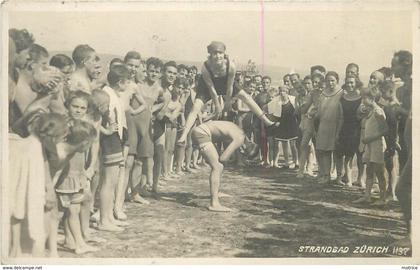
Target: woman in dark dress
[(288, 129), (349, 137)]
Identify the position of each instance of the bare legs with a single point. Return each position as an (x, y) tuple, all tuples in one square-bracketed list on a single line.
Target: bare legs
[(253, 106), (189, 153), (192, 116), (94, 183), (242, 95), (392, 176), (339, 162), (212, 157), (124, 176), (372, 170), (107, 199), (348, 161), (158, 161), (85, 216), (52, 231), (305, 148), (180, 155), (324, 165), (73, 214), (360, 169), (137, 181), (15, 248), (285, 148)]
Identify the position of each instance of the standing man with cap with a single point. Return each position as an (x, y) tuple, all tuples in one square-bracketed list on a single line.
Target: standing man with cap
[(217, 78)]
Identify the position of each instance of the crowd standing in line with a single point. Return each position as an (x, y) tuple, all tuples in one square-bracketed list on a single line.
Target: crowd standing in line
[(74, 137)]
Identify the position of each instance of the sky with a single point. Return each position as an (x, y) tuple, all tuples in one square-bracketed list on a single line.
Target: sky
[(293, 39)]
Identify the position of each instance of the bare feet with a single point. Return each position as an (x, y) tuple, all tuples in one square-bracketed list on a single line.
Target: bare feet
[(16, 251), (219, 208), (162, 183), (110, 228), (95, 239), (340, 182), (120, 223), (359, 183), (85, 249), (224, 195), (175, 174), (178, 174), (138, 199), (119, 214), (171, 177), (69, 244), (391, 198), (191, 169), (95, 217)]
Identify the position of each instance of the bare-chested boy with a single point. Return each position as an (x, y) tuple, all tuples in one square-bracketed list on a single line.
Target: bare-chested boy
[(19, 43), (25, 94), (204, 136), (88, 69)]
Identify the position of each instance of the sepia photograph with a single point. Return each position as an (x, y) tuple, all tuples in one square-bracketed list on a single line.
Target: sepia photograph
[(208, 130)]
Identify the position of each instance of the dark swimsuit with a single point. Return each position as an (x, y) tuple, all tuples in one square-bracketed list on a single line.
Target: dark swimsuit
[(220, 84)]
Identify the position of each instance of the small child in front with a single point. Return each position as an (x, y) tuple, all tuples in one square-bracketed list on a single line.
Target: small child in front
[(373, 131)]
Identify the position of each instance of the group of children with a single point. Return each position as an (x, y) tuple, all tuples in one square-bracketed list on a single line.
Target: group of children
[(75, 136)]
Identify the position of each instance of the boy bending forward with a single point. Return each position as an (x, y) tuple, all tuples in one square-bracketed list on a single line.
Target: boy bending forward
[(204, 136)]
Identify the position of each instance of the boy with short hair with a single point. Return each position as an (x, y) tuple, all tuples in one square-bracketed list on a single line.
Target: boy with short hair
[(112, 141), (88, 69), (374, 128), (24, 95), (182, 71), (151, 90)]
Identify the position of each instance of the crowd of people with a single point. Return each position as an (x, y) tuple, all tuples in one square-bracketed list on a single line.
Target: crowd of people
[(82, 144)]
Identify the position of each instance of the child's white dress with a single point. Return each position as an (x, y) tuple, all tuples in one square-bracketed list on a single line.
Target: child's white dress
[(374, 151), (26, 189)]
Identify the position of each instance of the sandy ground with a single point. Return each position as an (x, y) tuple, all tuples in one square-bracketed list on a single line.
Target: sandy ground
[(276, 214)]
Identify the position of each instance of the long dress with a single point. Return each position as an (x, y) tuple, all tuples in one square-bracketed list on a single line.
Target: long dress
[(329, 115), (26, 185)]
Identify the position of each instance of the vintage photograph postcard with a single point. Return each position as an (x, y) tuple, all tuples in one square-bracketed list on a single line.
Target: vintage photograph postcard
[(239, 132)]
